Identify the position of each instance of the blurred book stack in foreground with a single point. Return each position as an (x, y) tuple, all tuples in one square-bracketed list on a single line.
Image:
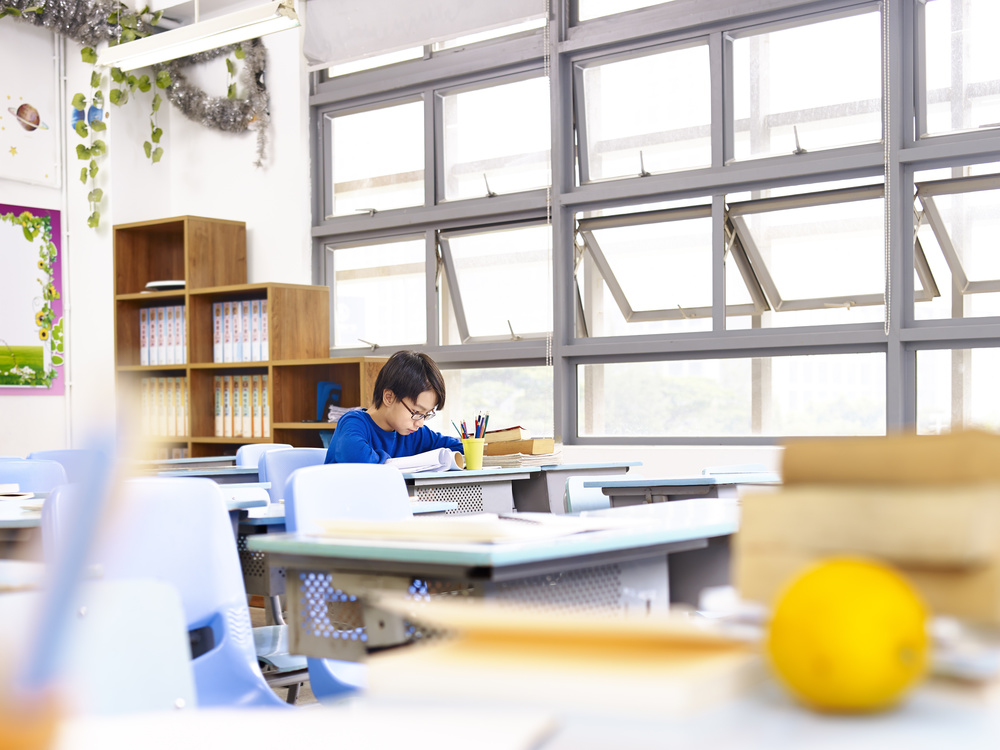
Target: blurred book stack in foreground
[(512, 447)]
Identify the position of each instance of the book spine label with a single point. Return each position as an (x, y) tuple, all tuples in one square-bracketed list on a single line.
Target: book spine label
[(217, 355), (161, 406), (182, 416), (161, 339), (265, 407), (180, 336), (227, 332), (144, 403), (144, 336), (227, 405), (255, 330), (245, 406), (237, 332), (218, 407), (258, 428), (246, 349), (264, 349), (168, 326)]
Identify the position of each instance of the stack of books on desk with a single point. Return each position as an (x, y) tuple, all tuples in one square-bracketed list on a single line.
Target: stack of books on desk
[(511, 447)]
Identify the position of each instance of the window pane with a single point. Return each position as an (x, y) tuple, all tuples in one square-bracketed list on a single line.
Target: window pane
[(594, 8), (504, 280), (632, 118), (377, 61), (823, 80), (511, 395), (378, 159), (379, 294), (963, 85), (497, 136), (958, 234), (833, 394), (957, 389), (820, 264), (483, 36)]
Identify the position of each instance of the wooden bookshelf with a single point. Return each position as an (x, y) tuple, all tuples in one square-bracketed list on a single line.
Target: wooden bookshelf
[(209, 255)]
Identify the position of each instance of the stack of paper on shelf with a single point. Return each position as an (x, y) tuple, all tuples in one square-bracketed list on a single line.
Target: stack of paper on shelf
[(929, 505), (569, 663)]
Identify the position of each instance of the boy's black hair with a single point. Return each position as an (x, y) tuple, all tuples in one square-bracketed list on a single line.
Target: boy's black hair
[(408, 374)]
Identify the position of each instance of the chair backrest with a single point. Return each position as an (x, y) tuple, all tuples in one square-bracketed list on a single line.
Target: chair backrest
[(129, 652), (249, 454), (348, 491), (579, 498), (76, 461), (177, 529), (279, 465), (33, 475)]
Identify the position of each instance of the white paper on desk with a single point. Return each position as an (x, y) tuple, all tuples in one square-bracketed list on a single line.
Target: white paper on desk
[(439, 459), (475, 528)]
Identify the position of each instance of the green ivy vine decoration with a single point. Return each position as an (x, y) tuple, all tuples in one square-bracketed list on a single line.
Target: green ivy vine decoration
[(50, 330)]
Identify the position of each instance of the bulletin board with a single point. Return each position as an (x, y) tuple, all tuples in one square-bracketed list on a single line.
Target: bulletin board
[(29, 89), (32, 357)]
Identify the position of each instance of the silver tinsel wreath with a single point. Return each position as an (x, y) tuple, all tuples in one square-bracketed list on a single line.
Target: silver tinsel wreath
[(87, 23)]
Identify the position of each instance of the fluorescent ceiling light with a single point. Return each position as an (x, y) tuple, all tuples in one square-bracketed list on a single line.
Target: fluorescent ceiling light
[(201, 36)]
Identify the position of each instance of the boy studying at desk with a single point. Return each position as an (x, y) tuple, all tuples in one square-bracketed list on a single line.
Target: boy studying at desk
[(408, 391)]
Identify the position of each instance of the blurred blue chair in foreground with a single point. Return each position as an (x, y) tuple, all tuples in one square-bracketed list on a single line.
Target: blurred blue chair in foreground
[(33, 475), (177, 529), (76, 461), (278, 466)]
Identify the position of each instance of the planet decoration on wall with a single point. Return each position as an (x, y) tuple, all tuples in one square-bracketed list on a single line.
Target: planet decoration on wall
[(28, 117)]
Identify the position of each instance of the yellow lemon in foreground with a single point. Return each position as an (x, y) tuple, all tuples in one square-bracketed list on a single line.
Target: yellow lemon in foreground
[(849, 635)]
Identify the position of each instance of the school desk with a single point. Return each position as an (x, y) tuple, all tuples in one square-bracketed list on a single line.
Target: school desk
[(543, 491), (636, 491), (484, 490), (612, 570)]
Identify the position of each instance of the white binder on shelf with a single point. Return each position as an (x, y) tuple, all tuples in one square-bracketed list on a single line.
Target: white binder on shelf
[(171, 406), (255, 330), (161, 339), (168, 328), (180, 336), (264, 353), (265, 407), (144, 336), (245, 407), (258, 428), (245, 329), (237, 313), (182, 412), (217, 332), (227, 405), (218, 406)]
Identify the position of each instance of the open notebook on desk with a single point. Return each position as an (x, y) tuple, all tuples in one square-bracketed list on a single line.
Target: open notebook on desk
[(439, 459)]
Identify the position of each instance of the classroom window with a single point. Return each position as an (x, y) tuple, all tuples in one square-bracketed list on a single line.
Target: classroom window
[(957, 228), (496, 139), (512, 396), (808, 87), (631, 122), (485, 36), (499, 282), (830, 394), (956, 389), (376, 61), (377, 159), (377, 293), (962, 87), (651, 272), (819, 256), (588, 9)]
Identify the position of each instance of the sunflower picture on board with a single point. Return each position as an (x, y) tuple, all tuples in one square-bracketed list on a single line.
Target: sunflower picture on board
[(31, 320)]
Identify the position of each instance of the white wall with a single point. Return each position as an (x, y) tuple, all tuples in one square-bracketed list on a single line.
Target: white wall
[(203, 172)]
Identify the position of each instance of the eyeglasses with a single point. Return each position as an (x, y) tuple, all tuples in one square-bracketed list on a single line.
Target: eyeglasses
[(416, 416)]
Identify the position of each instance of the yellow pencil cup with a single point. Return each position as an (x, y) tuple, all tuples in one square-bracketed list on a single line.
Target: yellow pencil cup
[(473, 448)]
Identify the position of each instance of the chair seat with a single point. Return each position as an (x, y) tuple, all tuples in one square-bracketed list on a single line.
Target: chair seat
[(271, 643)]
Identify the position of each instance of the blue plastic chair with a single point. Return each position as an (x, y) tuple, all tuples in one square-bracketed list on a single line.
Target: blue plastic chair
[(348, 491), (76, 461), (33, 475), (279, 465), (249, 454), (177, 529)]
